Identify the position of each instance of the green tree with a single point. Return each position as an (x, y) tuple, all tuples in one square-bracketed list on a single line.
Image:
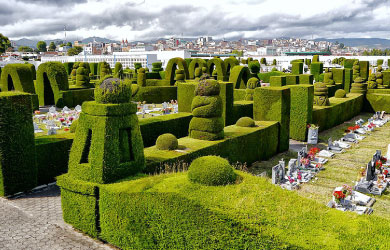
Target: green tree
[(52, 46), (74, 51), (41, 46), (25, 49), (5, 43), (69, 44)]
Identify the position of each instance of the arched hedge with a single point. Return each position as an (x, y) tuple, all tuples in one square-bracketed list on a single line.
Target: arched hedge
[(240, 76), (171, 67), (68, 67), (196, 63), (219, 66), (17, 77), (230, 63), (52, 79)]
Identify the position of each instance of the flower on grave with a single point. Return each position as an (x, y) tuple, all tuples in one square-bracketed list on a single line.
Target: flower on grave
[(318, 165), (291, 180), (378, 164), (347, 190), (71, 118), (312, 126), (299, 176), (62, 119), (386, 172), (313, 151), (383, 159), (37, 112), (305, 161), (66, 129), (338, 195)]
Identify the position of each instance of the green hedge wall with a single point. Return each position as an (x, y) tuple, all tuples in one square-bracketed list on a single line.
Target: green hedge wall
[(158, 94), (386, 78), (75, 97), (306, 79), (154, 75), (297, 68), (68, 67), (32, 69), (339, 76), (239, 76), (239, 94), (277, 81), (171, 67), (378, 100), (273, 104), (52, 75), (292, 79), (195, 63), (364, 69), (348, 79), (17, 150), (340, 110), (316, 59), (220, 67), (301, 112), (21, 75), (93, 68), (242, 109), (348, 63), (317, 68), (265, 77)]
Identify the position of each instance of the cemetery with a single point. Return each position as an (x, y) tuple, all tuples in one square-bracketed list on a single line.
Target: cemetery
[(199, 153)]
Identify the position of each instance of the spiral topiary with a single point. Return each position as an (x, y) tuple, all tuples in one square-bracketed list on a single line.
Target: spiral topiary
[(82, 78), (167, 142), (250, 88), (179, 75), (379, 76), (245, 122), (207, 122), (211, 171), (340, 93), (112, 90), (372, 82), (358, 86), (141, 77), (321, 94), (356, 69)]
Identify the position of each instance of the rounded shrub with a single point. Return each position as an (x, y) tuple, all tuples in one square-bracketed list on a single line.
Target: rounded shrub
[(167, 142), (245, 122), (211, 171), (112, 90), (207, 87), (253, 83), (340, 93)]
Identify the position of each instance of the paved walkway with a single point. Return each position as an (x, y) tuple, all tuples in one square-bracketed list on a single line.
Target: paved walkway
[(34, 221)]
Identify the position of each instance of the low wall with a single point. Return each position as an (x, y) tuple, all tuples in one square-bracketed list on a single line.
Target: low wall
[(378, 100)]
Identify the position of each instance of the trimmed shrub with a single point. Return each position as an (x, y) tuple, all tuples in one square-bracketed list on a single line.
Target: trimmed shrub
[(219, 66), (167, 142), (17, 77), (348, 79), (306, 79), (17, 159), (239, 76), (254, 67), (358, 86), (112, 90), (245, 122), (85, 65), (33, 70), (379, 62), (118, 70), (93, 68), (364, 69), (301, 110), (316, 59), (52, 80), (308, 62), (274, 62), (292, 79), (338, 75), (73, 126), (265, 77), (105, 70), (277, 81), (297, 68), (82, 77), (157, 67), (211, 171), (230, 63), (68, 67), (340, 93), (195, 67), (179, 75), (316, 68), (263, 61), (207, 123), (171, 67), (137, 66), (141, 77), (321, 94), (328, 78)]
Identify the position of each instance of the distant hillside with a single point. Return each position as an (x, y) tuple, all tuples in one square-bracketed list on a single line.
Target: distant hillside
[(33, 43), (360, 42)]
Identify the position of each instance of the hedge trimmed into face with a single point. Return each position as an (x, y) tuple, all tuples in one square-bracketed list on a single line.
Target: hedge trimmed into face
[(250, 88), (207, 122), (321, 94), (17, 77), (211, 171), (167, 142), (112, 90)]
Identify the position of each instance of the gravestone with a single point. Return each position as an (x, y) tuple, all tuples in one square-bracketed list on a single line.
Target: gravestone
[(278, 173), (292, 167), (52, 110)]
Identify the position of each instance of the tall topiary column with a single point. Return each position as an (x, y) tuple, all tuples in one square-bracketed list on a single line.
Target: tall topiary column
[(321, 94), (141, 77), (118, 70), (356, 70), (105, 70), (207, 122), (74, 72), (328, 78), (108, 144), (358, 86), (82, 76), (379, 76)]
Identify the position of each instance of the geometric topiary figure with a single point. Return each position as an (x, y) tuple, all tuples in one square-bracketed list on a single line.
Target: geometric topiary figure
[(17, 77), (364, 69), (93, 68), (105, 70), (239, 76), (118, 70), (297, 68), (250, 88), (174, 63), (245, 122), (379, 76), (167, 142), (82, 76), (195, 64), (321, 94), (141, 77), (230, 63), (372, 81), (219, 66), (207, 122), (316, 59), (340, 93), (316, 69), (277, 81), (358, 86), (18, 171), (74, 72), (211, 171), (157, 67), (108, 144), (52, 80), (328, 78)]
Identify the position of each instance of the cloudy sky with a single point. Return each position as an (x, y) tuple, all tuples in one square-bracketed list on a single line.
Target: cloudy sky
[(143, 20)]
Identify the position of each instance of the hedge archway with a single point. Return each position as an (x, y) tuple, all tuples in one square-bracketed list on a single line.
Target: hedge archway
[(219, 66), (240, 76), (53, 75), (195, 63), (17, 77), (230, 63), (171, 67)]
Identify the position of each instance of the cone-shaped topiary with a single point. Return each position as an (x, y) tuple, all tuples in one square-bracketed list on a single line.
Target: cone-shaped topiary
[(207, 122), (211, 171), (250, 88), (113, 90), (340, 93), (321, 94), (245, 122), (82, 78), (167, 142), (141, 77), (274, 62)]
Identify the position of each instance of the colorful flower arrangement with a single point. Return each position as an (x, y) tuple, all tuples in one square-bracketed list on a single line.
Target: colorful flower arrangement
[(353, 128), (341, 194), (312, 152), (305, 161), (312, 126), (378, 164)]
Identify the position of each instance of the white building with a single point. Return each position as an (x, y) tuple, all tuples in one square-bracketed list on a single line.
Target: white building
[(264, 51)]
